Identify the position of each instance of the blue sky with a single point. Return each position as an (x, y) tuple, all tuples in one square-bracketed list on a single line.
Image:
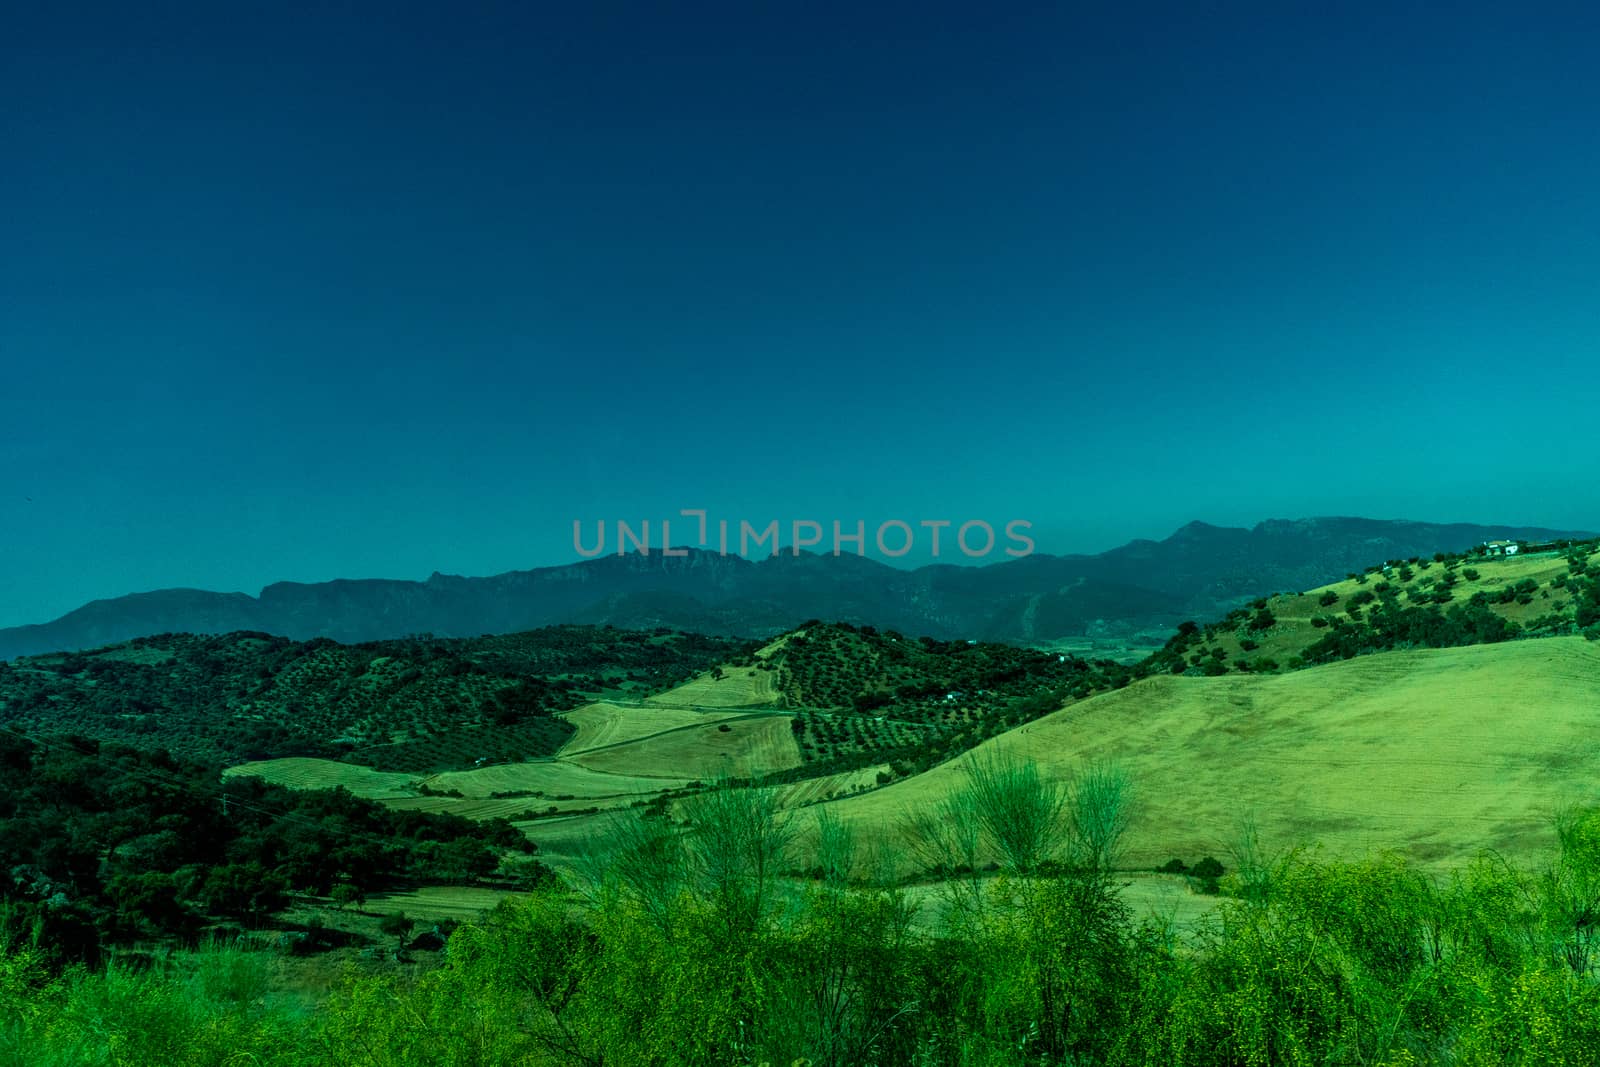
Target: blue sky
[(378, 291)]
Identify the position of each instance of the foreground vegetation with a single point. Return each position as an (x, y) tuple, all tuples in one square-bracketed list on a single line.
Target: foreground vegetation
[(686, 948), (732, 926)]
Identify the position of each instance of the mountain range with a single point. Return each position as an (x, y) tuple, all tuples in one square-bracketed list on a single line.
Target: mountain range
[(1199, 571)]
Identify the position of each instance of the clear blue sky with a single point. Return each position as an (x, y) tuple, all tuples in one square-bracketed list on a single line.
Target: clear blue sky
[(377, 291)]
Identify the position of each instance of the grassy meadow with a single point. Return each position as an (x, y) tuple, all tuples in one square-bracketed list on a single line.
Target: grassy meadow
[(1435, 753)]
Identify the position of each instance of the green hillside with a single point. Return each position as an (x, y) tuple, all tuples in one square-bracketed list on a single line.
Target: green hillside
[(416, 704), (1444, 602), (1438, 753), (862, 695)]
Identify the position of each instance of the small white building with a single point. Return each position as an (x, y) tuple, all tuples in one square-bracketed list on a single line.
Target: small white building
[(1502, 548)]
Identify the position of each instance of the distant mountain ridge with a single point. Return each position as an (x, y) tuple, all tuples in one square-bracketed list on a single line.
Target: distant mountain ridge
[(1199, 571)]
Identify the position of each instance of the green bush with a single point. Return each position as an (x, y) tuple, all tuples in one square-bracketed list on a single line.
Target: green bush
[(677, 956)]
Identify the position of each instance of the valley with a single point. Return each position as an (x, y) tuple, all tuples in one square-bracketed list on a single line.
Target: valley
[(1432, 721)]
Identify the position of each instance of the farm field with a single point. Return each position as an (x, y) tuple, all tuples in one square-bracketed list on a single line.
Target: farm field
[(609, 723), (1434, 753), (304, 772), (561, 787), (622, 754), (552, 777), (739, 746), (737, 687), (813, 790), (435, 902)]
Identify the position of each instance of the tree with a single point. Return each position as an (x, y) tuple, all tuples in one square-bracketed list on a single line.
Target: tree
[(1018, 810), (1101, 809), (397, 925), (739, 841), (244, 890), (835, 848), (347, 894)]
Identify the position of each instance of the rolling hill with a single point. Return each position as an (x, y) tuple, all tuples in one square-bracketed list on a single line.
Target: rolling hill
[(1434, 753), (1441, 602), (1324, 716), (409, 705)]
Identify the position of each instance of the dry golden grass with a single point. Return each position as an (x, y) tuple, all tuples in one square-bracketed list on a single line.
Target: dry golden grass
[(734, 746), (553, 778), (304, 772), (513, 808), (434, 902), (813, 790), (739, 687), (610, 724), (1436, 753), (566, 787), (476, 808)]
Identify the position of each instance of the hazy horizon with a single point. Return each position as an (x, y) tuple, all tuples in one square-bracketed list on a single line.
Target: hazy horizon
[(303, 295), (910, 561)]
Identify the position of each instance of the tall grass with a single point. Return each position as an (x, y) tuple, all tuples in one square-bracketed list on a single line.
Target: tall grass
[(694, 956)]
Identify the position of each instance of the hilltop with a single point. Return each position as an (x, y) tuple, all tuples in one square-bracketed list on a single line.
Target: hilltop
[(1444, 601), (1133, 595)]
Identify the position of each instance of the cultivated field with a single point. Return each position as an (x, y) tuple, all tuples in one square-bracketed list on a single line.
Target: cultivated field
[(550, 777), (1436, 753), (813, 790), (610, 723), (544, 786), (304, 772), (434, 902), (737, 746), (738, 687)]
